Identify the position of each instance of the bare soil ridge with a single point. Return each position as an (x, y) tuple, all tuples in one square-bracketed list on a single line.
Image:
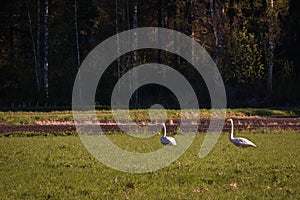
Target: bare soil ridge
[(172, 124)]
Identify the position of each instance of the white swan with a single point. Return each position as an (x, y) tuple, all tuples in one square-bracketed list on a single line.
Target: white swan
[(167, 140), (241, 142)]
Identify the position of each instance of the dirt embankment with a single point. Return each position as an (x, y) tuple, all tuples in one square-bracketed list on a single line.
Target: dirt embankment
[(239, 123)]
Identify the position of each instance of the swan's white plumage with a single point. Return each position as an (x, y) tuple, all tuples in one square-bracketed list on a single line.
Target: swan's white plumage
[(167, 140), (241, 142)]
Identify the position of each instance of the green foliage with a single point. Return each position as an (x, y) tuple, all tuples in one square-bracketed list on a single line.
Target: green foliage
[(264, 112), (243, 63), (61, 168), (241, 54)]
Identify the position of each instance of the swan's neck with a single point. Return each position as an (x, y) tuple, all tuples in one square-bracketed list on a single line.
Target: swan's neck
[(165, 130), (231, 131)]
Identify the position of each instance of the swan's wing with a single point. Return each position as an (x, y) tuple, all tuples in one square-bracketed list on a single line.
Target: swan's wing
[(168, 140), (172, 140), (164, 140), (236, 141), (244, 141)]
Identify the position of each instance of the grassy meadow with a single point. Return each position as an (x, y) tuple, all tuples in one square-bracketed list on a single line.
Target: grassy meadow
[(59, 167), (30, 117)]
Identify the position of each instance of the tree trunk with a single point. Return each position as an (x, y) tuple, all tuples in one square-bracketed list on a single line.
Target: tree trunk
[(192, 28), (38, 47), (118, 42), (77, 44), (161, 23), (222, 31), (34, 53), (129, 58), (76, 33), (134, 53), (214, 26), (46, 45), (271, 51)]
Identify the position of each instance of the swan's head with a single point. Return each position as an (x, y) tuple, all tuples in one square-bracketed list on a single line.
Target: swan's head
[(229, 120)]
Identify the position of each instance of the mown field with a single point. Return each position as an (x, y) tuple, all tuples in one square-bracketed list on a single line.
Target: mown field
[(59, 167)]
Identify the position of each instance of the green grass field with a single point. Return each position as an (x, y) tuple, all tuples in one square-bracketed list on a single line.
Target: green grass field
[(27, 117), (59, 167)]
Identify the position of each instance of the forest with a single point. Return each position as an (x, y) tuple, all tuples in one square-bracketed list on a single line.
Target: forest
[(255, 45)]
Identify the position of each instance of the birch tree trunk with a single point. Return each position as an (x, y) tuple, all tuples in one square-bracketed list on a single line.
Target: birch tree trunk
[(161, 23), (192, 28), (77, 45), (222, 31), (271, 49), (134, 53), (214, 25), (129, 59), (46, 45), (118, 42), (76, 33), (38, 47)]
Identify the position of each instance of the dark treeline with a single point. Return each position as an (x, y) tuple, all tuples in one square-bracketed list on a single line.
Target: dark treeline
[(255, 45)]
